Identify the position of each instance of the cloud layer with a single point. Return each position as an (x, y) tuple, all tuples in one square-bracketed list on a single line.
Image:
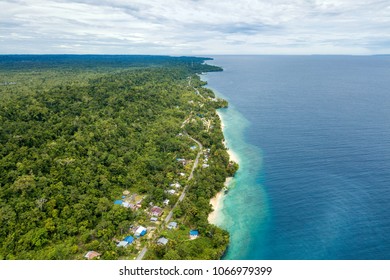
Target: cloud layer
[(195, 26)]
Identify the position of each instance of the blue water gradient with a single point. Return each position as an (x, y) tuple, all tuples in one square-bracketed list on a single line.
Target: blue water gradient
[(313, 136)]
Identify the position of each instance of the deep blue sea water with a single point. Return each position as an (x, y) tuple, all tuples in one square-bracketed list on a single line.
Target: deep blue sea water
[(313, 137)]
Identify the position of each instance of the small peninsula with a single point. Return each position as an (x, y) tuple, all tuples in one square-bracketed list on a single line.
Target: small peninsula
[(109, 157)]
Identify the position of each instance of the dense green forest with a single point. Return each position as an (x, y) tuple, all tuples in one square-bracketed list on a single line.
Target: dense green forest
[(80, 132)]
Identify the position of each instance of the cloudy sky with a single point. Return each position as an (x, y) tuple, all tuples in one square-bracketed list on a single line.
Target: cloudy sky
[(178, 27)]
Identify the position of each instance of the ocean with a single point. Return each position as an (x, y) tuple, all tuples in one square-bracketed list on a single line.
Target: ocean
[(312, 134)]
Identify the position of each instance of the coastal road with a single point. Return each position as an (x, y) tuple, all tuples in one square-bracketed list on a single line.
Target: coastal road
[(196, 90), (197, 156), (142, 253), (183, 194), (186, 120)]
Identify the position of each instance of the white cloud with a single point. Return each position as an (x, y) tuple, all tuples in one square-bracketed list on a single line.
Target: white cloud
[(195, 27)]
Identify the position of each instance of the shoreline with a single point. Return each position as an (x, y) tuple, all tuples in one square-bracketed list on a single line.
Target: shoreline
[(232, 154), (217, 204), (216, 216)]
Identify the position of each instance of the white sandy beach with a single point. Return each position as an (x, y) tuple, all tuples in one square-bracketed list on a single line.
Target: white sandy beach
[(217, 201), (233, 156), (217, 204)]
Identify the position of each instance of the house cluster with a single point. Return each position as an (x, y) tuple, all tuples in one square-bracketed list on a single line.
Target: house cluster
[(137, 231), (155, 211), (132, 201), (174, 187)]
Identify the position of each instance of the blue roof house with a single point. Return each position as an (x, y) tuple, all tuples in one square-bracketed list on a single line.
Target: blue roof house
[(129, 239), (118, 202), (194, 234)]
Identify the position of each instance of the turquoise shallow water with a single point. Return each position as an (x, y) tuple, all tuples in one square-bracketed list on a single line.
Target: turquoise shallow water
[(245, 190), (236, 214), (312, 134)]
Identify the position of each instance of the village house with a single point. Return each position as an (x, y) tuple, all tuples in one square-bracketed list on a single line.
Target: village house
[(172, 225), (170, 192), (156, 211), (140, 231), (127, 205), (126, 241), (129, 239), (122, 244), (91, 255), (162, 241), (175, 185), (194, 234), (118, 202), (133, 202), (182, 161)]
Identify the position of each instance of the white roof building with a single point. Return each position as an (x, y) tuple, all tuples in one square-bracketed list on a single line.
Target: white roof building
[(172, 225), (140, 231), (122, 244), (175, 185), (171, 191), (162, 241)]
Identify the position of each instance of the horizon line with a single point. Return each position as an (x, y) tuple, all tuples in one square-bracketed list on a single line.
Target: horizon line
[(190, 55)]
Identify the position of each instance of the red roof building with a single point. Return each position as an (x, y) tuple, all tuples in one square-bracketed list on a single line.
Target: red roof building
[(156, 211)]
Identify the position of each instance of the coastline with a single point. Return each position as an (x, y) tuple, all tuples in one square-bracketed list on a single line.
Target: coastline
[(232, 154), (216, 216)]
